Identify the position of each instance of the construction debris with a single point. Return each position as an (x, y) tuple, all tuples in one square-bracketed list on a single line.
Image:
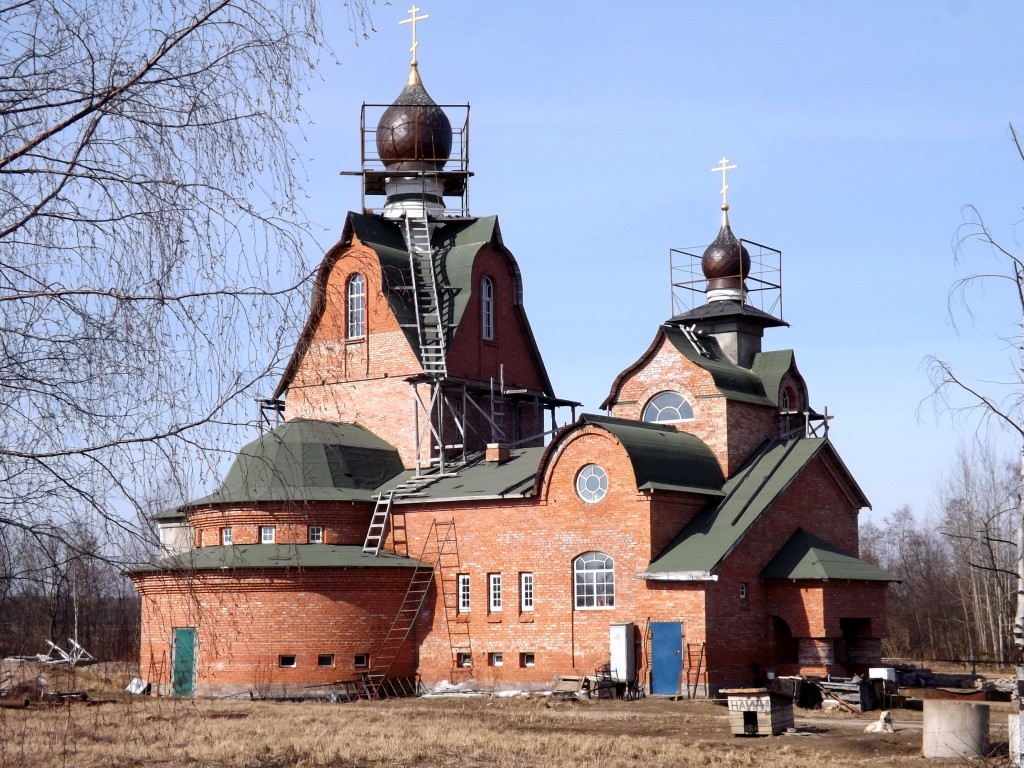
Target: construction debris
[(57, 655)]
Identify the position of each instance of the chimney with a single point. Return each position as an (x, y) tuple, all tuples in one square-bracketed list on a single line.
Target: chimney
[(497, 453)]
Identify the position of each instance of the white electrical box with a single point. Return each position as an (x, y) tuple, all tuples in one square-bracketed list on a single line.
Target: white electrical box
[(622, 653), (882, 673)]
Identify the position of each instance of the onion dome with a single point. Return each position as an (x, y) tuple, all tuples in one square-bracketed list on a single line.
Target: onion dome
[(725, 264), (414, 133)]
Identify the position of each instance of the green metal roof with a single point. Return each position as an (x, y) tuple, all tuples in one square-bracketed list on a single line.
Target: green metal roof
[(733, 381), (771, 367), (276, 556), (805, 556), (718, 528), (479, 479), (308, 460), (664, 458)]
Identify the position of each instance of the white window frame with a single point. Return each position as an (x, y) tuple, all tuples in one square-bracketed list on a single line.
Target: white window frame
[(527, 659), (463, 592), (355, 305), (657, 411), (496, 659), (487, 309), (361, 660), (465, 660), (494, 592), (282, 663), (315, 534), (226, 536), (593, 582), (268, 534), (526, 591), (321, 656)]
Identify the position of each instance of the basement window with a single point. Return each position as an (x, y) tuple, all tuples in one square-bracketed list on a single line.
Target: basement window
[(495, 659), (361, 660), (527, 660), (325, 660), (286, 660), (465, 660)]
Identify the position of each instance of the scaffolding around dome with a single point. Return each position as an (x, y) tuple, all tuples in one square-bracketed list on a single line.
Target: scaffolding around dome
[(452, 179), (762, 286)]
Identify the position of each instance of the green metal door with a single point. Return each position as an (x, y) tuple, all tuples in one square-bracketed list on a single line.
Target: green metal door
[(183, 668)]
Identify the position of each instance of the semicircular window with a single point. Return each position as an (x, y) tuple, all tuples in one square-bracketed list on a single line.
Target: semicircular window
[(668, 407)]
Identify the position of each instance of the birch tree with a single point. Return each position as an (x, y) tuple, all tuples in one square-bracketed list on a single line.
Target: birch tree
[(151, 246), (1007, 412)]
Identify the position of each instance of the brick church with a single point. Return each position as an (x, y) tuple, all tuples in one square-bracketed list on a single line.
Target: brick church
[(426, 508)]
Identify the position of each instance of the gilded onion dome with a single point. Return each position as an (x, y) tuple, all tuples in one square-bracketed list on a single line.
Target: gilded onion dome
[(414, 133)]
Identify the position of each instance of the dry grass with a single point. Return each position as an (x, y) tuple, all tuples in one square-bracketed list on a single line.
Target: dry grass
[(416, 733)]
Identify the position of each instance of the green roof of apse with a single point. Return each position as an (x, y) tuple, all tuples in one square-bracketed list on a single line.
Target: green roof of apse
[(308, 460), (805, 556), (718, 528), (242, 556)]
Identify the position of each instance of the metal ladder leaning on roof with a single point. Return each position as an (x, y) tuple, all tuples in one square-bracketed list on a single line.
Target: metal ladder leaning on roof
[(377, 681), (430, 327)]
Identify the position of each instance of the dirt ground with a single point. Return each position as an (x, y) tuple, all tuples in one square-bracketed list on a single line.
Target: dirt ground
[(479, 732)]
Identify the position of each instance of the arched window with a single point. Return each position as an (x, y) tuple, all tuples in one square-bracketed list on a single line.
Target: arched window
[(594, 580), (668, 407), (355, 297), (784, 400), (487, 309)]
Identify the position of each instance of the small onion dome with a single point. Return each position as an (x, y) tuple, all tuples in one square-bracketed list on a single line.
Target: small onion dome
[(414, 133), (725, 263)]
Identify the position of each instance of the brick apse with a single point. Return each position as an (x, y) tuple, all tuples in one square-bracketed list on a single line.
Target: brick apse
[(425, 507)]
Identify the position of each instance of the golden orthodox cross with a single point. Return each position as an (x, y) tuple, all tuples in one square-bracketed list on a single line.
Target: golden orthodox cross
[(722, 169), (412, 20)]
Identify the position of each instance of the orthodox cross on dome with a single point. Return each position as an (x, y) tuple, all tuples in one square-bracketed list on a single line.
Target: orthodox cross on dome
[(412, 20), (725, 187)]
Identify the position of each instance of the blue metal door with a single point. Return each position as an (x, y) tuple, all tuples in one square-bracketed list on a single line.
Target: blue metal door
[(666, 656), (183, 666)]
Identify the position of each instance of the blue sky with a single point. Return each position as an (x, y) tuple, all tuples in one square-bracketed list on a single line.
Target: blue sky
[(860, 131)]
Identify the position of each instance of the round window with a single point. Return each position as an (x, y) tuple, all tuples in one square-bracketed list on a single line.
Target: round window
[(591, 483)]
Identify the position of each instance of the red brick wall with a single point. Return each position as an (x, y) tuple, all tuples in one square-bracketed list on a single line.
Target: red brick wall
[(731, 429), (343, 522), (246, 619)]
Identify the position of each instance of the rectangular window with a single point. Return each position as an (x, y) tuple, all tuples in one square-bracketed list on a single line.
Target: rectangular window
[(495, 659), (463, 593), (465, 660), (494, 592), (316, 534), (325, 660), (743, 591), (526, 660), (266, 534), (286, 660), (361, 660), (225, 537), (525, 591)]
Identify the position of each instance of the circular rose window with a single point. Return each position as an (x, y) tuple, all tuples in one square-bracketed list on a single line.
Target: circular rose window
[(591, 483)]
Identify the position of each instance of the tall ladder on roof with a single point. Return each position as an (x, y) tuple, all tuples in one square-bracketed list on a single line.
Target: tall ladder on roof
[(440, 545), (426, 299), (448, 566)]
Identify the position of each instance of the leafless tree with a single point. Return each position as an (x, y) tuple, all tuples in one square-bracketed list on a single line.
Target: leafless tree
[(150, 247), (1007, 411)]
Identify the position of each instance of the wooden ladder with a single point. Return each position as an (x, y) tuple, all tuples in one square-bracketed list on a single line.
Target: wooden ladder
[(693, 672)]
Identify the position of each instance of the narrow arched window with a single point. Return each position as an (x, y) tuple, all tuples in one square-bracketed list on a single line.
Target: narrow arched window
[(594, 580), (487, 309), (668, 407), (355, 298)]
